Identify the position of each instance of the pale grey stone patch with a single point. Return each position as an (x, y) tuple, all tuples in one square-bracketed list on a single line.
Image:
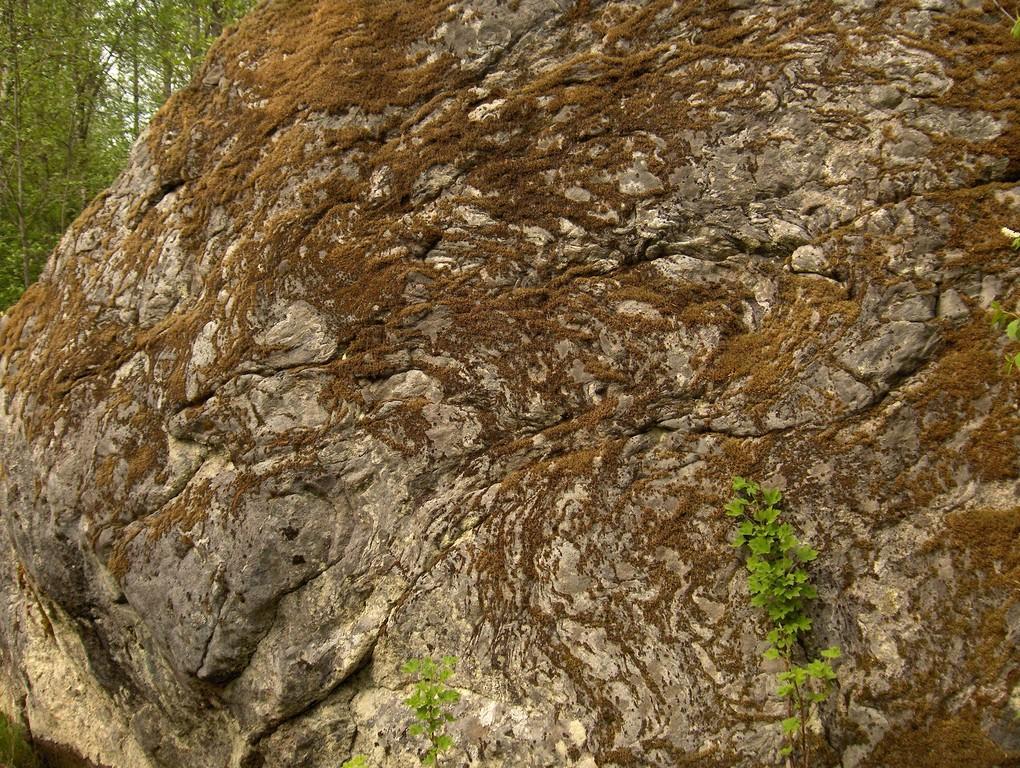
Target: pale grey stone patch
[(300, 337), (884, 96), (578, 194), (915, 309), (897, 348), (638, 180), (809, 259), (951, 306)]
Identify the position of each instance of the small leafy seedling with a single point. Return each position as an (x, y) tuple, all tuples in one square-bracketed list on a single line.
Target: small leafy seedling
[(429, 701), (1009, 322), (779, 584)]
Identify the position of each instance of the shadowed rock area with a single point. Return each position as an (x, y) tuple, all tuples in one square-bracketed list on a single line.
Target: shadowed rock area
[(418, 328)]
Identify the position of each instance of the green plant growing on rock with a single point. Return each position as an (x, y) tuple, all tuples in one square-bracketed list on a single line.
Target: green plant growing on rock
[(779, 584), (1008, 321), (429, 701)]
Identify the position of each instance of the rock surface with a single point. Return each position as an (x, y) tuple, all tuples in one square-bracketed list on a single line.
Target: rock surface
[(440, 327)]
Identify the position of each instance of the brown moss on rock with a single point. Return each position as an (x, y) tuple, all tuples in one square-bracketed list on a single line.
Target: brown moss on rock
[(941, 743), (544, 262)]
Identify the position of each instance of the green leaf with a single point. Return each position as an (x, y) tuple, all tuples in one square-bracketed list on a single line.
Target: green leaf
[(767, 517), (760, 545), (802, 623), (806, 554), (1015, 32), (771, 496), (771, 654), (1013, 330), (786, 751), (832, 652), (819, 669), (790, 725), (735, 508)]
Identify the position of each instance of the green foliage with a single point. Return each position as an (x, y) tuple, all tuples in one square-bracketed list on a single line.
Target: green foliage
[(1009, 322), (429, 701), (779, 584), (1014, 238), (15, 750), (78, 82), (11, 285)]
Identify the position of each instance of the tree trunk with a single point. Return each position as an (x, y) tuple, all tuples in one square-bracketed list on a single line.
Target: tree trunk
[(216, 18), (135, 90)]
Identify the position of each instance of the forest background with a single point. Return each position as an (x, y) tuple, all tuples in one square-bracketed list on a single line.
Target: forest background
[(79, 80)]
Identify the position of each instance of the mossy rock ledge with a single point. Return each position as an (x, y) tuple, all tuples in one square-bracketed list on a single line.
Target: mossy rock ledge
[(424, 328)]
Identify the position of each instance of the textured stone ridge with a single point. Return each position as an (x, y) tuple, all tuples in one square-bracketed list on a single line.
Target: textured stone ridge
[(440, 327)]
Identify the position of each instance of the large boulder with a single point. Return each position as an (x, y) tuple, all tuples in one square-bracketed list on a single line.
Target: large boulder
[(423, 328)]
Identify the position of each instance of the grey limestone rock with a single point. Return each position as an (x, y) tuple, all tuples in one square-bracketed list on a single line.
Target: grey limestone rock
[(417, 328)]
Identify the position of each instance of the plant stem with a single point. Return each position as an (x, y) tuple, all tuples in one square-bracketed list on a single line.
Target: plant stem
[(1004, 12), (803, 725)]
